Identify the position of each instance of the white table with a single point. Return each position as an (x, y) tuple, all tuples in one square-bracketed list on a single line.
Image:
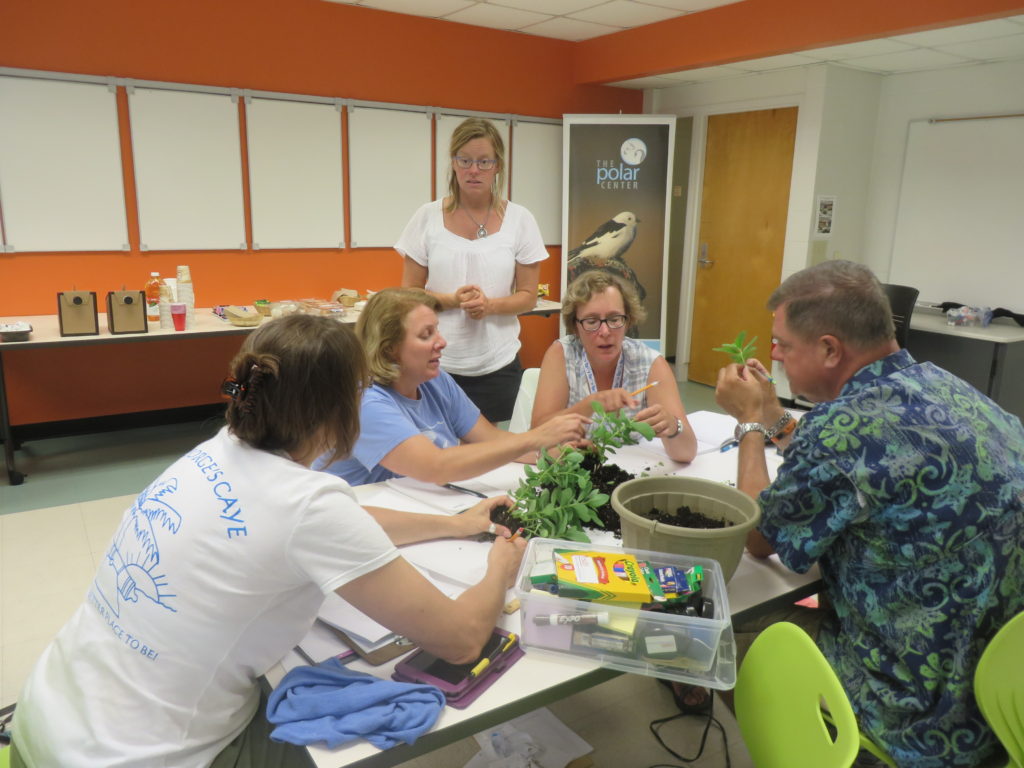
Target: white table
[(990, 358), (538, 679)]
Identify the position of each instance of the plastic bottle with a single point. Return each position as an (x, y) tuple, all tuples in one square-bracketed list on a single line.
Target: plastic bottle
[(153, 296)]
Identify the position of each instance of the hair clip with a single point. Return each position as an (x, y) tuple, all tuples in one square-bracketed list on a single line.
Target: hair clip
[(232, 389)]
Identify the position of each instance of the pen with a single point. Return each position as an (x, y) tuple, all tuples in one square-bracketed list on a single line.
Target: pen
[(764, 376), (643, 389), (484, 663), (461, 489)]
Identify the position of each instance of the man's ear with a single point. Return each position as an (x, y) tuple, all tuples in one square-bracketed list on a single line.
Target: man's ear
[(831, 351)]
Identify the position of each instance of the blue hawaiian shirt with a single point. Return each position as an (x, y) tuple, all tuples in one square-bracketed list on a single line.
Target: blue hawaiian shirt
[(908, 490)]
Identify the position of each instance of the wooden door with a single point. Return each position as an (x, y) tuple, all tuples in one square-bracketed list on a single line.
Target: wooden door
[(744, 204)]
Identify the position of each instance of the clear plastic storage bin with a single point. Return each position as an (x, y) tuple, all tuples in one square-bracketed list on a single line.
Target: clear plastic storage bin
[(690, 649)]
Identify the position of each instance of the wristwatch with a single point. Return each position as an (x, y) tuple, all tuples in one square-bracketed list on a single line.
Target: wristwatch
[(781, 428), (750, 426)]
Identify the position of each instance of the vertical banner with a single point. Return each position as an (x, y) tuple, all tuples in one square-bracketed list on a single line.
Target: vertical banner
[(615, 199)]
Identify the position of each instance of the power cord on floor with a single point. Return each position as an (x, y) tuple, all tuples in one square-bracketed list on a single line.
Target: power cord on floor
[(655, 726)]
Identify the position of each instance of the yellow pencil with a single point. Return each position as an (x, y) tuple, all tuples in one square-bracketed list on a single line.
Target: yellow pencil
[(643, 389), (515, 535)]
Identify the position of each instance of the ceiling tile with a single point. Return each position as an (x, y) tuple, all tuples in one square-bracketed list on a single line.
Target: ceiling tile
[(907, 61), (989, 50), (569, 29), (647, 82), (982, 30), (705, 73), (432, 8), (497, 17), (620, 13), (689, 6), (549, 7), (866, 48), (774, 62)]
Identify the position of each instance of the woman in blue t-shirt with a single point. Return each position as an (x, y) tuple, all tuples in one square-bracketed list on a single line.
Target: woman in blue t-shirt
[(416, 421)]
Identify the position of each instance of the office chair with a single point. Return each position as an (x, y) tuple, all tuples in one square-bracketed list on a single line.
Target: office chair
[(522, 411), (999, 688), (781, 685), (901, 301)]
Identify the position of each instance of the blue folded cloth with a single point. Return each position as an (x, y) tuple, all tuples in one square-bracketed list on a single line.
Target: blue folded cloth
[(333, 704)]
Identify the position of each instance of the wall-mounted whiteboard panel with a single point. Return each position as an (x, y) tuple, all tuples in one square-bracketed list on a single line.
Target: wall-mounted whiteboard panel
[(295, 174), (389, 172), (537, 175), (188, 170), (446, 125), (960, 224), (61, 184)]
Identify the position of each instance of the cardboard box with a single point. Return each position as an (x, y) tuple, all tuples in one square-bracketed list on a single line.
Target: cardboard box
[(690, 649), (77, 314), (126, 312)]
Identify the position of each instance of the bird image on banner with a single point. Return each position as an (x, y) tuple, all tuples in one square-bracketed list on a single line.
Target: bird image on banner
[(604, 249)]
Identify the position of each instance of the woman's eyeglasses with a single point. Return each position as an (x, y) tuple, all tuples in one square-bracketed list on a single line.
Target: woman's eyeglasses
[(591, 324), (484, 163)]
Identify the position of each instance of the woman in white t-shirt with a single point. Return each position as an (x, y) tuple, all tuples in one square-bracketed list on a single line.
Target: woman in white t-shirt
[(596, 362), (219, 567), (479, 255)]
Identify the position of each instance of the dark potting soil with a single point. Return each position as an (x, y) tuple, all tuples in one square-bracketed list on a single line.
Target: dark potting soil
[(686, 518)]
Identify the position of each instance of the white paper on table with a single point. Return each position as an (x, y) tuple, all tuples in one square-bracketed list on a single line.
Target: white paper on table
[(444, 499), (322, 643), (340, 613), (712, 429), (462, 561)]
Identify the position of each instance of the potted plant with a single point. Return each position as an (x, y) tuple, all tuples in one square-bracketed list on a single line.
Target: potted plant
[(570, 491)]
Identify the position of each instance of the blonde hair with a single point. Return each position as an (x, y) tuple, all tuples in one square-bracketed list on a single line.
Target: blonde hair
[(381, 327), (469, 129), (299, 378), (587, 285)]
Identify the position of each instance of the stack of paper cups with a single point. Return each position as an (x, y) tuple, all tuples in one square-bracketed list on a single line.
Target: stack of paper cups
[(166, 297), (186, 295)]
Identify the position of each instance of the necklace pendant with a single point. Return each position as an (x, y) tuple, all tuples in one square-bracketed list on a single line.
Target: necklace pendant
[(481, 232)]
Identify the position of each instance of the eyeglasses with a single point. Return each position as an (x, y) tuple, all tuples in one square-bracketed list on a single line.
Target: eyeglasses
[(591, 324), (484, 163)]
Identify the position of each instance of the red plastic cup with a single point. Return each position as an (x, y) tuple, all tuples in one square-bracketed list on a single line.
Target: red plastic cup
[(178, 316)]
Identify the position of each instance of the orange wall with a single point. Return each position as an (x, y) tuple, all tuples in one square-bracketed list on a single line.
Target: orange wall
[(299, 46)]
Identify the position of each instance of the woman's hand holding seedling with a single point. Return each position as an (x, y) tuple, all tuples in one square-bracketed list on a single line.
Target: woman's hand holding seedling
[(610, 400)]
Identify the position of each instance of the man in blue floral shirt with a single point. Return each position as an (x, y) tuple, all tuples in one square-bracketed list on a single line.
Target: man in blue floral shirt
[(906, 485)]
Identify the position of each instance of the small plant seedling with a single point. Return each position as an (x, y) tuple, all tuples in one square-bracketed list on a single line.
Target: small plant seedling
[(737, 350)]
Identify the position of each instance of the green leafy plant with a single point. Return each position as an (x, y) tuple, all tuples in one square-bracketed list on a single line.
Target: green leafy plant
[(737, 350), (558, 498)]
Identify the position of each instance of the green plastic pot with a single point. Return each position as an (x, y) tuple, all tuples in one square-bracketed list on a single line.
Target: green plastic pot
[(634, 499)]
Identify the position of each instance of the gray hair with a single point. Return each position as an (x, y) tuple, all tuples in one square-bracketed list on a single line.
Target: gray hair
[(840, 298)]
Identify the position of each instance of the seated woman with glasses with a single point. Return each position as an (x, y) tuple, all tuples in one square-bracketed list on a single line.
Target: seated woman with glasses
[(416, 420), (479, 255), (597, 362)]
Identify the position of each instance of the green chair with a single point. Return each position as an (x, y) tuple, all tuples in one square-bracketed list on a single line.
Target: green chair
[(999, 688), (783, 683)]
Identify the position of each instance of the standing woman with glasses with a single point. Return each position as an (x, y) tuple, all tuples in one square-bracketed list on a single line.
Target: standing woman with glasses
[(596, 362), (479, 255)]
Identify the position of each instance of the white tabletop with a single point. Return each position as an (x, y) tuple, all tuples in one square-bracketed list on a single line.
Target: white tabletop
[(999, 332), (539, 678)]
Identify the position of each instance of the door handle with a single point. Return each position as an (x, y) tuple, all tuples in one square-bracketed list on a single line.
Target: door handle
[(703, 259)]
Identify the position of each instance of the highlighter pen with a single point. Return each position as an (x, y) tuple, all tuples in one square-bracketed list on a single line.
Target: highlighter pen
[(485, 663)]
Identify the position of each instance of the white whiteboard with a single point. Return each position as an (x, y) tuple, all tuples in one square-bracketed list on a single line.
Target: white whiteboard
[(61, 185), (537, 175), (295, 174), (188, 170), (446, 125), (960, 224), (389, 172)]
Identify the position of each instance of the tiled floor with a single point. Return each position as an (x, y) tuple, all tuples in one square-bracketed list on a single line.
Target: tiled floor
[(55, 527)]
